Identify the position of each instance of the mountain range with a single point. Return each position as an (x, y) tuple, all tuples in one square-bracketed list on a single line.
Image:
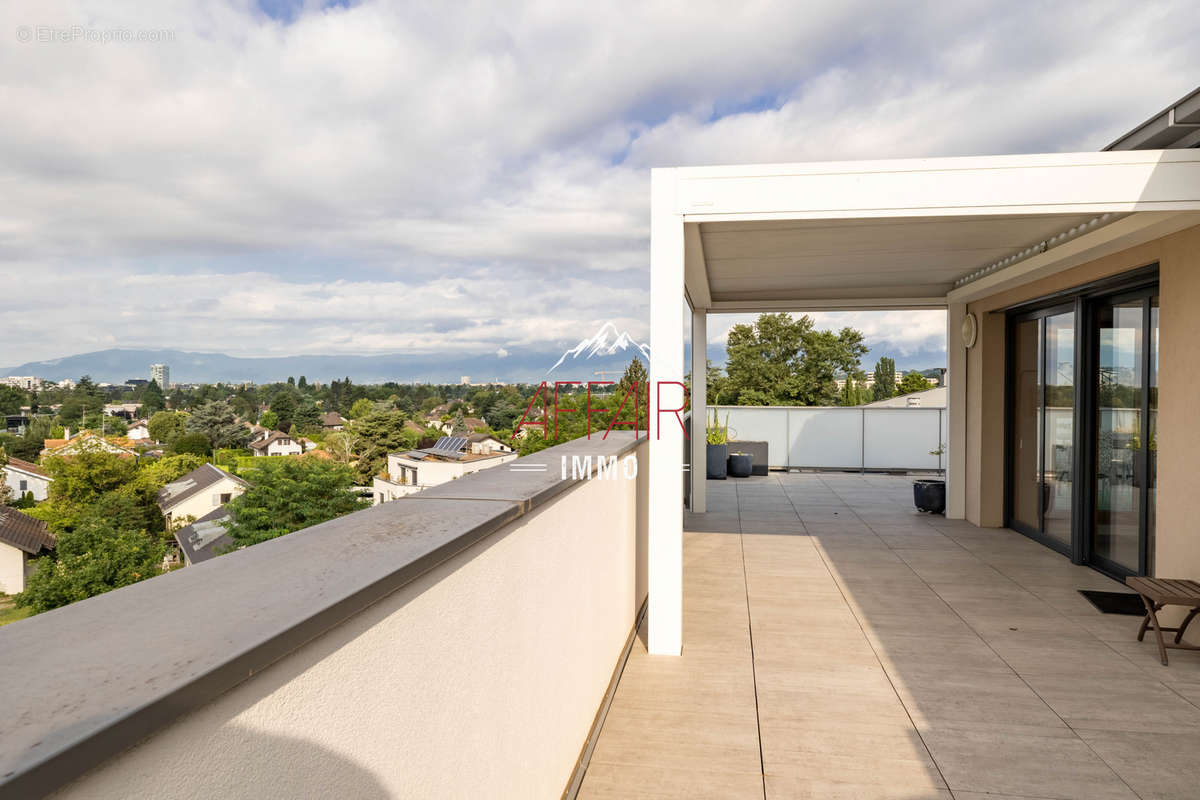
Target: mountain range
[(609, 350)]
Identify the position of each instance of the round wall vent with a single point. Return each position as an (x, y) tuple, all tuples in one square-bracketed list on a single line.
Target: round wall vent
[(970, 330)]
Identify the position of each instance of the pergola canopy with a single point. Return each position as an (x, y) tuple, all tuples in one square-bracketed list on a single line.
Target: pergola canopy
[(918, 233), (909, 233)]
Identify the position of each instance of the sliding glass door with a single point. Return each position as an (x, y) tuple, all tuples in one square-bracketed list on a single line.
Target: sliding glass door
[(1042, 426), (1125, 383), (1081, 422)]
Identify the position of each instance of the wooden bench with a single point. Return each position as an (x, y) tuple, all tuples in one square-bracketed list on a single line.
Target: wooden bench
[(1158, 593)]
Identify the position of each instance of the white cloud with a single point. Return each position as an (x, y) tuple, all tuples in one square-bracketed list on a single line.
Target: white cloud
[(386, 177), (501, 352)]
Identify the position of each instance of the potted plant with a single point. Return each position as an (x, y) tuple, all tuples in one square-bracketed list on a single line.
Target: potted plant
[(717, 437), (929, 494), (740, 464)]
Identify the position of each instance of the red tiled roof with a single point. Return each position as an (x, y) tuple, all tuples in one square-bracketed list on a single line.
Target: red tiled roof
[(26, 466)]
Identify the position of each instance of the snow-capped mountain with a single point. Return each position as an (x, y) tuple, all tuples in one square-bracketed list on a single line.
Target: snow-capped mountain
[(608, 341)]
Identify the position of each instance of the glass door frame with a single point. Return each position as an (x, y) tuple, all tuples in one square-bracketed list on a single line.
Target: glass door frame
[(1010, 406), (1085, 299), (1091, 426)]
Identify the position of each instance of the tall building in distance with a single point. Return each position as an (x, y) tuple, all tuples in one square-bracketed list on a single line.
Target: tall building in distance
[(161, 374)]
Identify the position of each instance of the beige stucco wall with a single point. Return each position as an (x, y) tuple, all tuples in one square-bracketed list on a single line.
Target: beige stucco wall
[(12, 569), (1177, 552), (480, 679)]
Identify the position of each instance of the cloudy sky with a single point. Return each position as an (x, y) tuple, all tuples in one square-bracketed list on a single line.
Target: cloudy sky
[(296, 177)]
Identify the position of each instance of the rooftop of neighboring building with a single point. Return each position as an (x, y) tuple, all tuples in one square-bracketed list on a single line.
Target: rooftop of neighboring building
[(205, 538), (193, 483), (24, 532), (27, 466)]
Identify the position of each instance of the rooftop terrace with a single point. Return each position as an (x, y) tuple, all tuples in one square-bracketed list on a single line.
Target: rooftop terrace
[(837, 644)]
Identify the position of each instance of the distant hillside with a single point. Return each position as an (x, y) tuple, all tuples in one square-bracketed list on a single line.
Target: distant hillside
[(118, 365)]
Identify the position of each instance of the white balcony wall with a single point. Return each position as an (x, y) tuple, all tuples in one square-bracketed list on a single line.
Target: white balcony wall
[(842, 438), (479, 679)]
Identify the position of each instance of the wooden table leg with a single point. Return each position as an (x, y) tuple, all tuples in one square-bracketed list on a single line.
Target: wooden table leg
[(1183, 625), (1152, 613)]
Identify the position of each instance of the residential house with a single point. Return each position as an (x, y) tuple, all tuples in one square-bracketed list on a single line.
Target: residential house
[(257, 432), (485, 443), (278, 443), (332, 421), (21, 538), (88, 442), (450, 458), (205, 538), (16, 423), (139, 431), (197, 493), (23, 476), (470, 423), (127, 411)]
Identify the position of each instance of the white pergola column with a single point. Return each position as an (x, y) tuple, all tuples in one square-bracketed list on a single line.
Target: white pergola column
[(699, 408), (666, 435), (956, 408)]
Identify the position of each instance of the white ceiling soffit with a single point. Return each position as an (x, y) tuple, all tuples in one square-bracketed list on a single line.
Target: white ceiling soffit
[(921, 232)]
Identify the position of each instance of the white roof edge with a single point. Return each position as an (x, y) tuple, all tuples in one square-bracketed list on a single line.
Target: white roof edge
[(923, 164)]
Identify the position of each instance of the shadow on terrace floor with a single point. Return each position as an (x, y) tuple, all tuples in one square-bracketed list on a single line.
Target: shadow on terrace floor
[(841, 645)]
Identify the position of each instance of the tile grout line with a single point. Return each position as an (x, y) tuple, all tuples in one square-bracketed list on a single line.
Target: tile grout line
[(987, 644), (753, 667)]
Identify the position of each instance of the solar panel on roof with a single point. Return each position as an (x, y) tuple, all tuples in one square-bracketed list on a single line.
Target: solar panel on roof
[(450, 444)]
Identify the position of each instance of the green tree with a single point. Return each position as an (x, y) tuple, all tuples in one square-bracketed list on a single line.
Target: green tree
[(284, 406), (784, 361), (290, 494), (193, 443), (6, 495), (11, 399), (380, 433), (94, 557), (302, 384), (913, 382), (635, 375), (84, 399), (852, 393), (81, 479), (341, 445), (217, 421), (269, 420), (459, 426), (361, 408), (885, 379), (152, 399), (308, 417), (167, 426)]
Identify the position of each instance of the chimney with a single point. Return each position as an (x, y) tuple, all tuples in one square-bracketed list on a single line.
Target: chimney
[(67, 434)]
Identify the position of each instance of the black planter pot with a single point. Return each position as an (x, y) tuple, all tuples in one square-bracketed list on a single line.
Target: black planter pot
[(715, 455), (930, 495), (740, 465)]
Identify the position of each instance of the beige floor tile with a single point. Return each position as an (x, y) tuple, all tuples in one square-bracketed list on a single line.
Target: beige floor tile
[(794, 787), (1027, 765), (1157, 766), (679, 739), (1117, 704), (624, 781)]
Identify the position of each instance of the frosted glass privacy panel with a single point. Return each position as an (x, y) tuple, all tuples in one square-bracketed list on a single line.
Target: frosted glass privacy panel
[(825, 437), (757, 424), (901, 438)]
